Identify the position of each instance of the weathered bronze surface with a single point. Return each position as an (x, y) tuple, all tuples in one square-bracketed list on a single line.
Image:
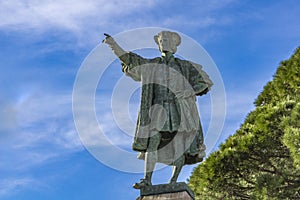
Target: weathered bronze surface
[(168, 127)]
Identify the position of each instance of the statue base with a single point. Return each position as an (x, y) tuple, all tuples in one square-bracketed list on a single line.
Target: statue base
[(176, 191)]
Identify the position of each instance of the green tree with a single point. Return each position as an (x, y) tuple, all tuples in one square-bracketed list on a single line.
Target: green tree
[(262, 159)]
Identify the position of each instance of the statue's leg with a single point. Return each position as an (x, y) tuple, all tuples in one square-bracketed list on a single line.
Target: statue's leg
[(150, 160), (178, 164), (179, 149), (151, 155)]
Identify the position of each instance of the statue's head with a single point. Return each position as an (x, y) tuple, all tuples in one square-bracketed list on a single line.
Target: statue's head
[(167, 41)]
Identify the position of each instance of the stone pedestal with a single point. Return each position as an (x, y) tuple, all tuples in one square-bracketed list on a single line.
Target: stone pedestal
[(177, 191), (168, 196)]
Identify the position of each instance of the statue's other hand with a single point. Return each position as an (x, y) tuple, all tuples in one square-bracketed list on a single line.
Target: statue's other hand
[(108, 39)]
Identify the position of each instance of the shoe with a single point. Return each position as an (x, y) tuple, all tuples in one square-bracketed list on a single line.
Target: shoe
[(139, 147), (172, 182), (141, 184)]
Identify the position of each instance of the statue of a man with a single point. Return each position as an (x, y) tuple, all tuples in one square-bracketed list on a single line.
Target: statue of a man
[(168, 127)]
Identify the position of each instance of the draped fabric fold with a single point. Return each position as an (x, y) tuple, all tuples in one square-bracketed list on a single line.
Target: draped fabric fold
[(169, 89)]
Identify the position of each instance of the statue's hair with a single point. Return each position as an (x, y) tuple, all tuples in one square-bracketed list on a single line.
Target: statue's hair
[(175, 36)]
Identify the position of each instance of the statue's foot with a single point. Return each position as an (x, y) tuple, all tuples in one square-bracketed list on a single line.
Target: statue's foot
[(141, 184), (139, 147), (172, 181)]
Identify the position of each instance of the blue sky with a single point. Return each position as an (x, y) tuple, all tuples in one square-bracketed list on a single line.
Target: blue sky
[(43, 44)]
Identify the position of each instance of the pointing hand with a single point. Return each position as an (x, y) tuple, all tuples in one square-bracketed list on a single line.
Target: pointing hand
[(108, 39)]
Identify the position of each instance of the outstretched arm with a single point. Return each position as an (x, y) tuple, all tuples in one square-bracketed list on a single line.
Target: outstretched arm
[(118, 51), (131, 62)]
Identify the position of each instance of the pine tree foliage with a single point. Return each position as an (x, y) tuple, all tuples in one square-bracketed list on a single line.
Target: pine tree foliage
[(262, 159)]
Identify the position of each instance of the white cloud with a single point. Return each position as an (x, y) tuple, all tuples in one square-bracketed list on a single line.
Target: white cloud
[(34, 108), (72, 24), (109, 126), (70, 15), (12, 185), (42, 129), (86, 20), (239, 104)]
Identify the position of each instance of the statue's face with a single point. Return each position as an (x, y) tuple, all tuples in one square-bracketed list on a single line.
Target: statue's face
[(166, 44)]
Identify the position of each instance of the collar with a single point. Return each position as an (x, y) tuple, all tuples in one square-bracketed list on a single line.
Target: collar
[(167, 56)]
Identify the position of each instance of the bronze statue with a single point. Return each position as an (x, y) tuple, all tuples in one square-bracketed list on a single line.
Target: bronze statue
[(168, 127)]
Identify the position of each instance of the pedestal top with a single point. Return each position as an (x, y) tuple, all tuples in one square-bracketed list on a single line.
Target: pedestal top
[(167, 191), (169, 196)]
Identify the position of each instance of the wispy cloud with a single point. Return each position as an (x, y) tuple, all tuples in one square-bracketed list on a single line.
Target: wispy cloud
[(40, 121), (86, 20), (239, 103), (13, 185), (76, 24), (62, 13), (40, 131), (37, 127)]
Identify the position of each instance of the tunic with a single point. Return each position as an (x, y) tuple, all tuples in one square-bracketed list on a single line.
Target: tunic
[(168, 105)]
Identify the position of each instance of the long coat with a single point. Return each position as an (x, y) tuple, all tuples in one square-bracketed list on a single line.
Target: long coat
[(169, 88)]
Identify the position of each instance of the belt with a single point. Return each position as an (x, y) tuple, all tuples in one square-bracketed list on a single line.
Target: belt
[(160, 100)]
